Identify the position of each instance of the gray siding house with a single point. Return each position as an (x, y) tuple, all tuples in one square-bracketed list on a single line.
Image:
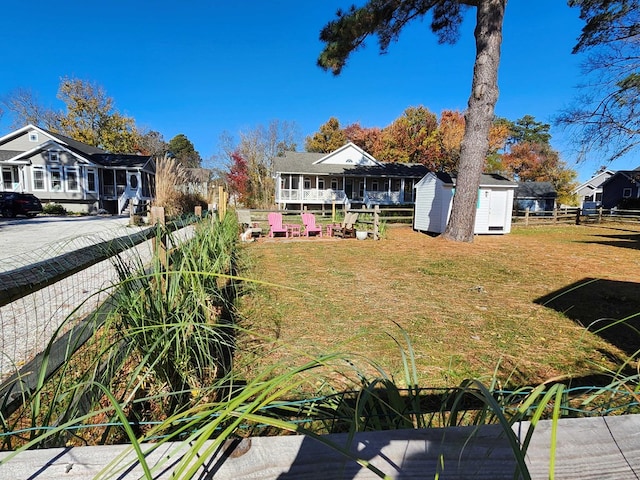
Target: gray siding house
[(82, 178)]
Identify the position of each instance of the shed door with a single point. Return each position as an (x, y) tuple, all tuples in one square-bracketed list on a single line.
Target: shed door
[(497, 208)]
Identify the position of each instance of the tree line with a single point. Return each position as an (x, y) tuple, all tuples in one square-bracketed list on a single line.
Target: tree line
[(520, 149)]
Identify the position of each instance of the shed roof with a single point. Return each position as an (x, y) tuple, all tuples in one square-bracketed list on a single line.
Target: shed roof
[(486, 179)]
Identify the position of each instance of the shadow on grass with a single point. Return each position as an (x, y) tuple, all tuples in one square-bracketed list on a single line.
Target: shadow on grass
[(620, 237), (600, 305)]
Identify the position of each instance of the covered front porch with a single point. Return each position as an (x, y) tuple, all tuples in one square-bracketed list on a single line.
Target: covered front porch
[(305, 190)]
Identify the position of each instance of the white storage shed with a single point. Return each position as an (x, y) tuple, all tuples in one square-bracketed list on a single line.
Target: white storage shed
[(434, 197)]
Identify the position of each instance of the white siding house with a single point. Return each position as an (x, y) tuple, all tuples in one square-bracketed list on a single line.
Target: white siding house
[(434, 197), (347, 176)]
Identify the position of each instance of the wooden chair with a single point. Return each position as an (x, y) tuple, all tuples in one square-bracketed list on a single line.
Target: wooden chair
[(244, 219), (347, 227), (310, 227), (275, 225)]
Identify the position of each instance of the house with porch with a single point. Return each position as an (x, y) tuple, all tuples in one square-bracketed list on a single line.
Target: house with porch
[(348, 176), (80, 177)]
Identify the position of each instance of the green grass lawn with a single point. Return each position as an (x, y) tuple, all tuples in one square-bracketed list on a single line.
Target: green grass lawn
[(470, 310)]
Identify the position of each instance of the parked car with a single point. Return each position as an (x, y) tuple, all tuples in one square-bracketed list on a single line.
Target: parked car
[(14, 203)]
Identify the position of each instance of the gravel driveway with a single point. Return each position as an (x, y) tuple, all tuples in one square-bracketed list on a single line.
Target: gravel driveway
[(24, 241)]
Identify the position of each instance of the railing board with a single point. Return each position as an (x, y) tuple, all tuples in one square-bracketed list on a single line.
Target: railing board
[(591, 448)]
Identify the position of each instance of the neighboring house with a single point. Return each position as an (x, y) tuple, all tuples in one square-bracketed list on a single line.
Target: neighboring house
[(434, 197), (535, 196), (348, 176), (590, 192), (624, 184), (80, 177)]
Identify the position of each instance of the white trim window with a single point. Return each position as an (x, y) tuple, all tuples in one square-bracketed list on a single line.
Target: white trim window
[(38, 179), (55, 179), (72, 179), (33, 136), (54, 157), (9, 179), (626, 193), (91, 180)]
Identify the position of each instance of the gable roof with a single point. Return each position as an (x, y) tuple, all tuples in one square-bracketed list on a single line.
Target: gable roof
[(631, 175), (595, 181), (364, 156), (82, 151)]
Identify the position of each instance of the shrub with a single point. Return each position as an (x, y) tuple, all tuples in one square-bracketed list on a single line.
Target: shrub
[(53, 209)]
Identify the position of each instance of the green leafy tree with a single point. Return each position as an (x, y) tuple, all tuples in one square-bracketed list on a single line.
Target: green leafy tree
[(92, 119), (183, 150), (328, 138), (386, 20), (604, 118)]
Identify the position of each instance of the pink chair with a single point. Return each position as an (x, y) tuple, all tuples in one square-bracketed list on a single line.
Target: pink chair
[(309, 221), (275, 225)]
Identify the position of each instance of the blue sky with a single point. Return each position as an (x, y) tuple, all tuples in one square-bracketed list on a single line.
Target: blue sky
[(202, 68)]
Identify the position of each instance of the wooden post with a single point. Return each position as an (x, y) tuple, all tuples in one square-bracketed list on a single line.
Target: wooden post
[(600, 214), (376, 222), (578, 216), (198, 211), (555, 215), (526, 217), (222, 204), (160, 245), (333, 211)]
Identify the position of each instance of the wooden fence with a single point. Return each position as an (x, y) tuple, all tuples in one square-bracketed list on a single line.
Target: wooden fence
[(574, 215), (589, 448)]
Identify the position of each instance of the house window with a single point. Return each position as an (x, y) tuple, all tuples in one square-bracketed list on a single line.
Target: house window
[(55, 179), (71, 177), (91, 180), (54, 157), (334, 184), (33, 136), (37, 174), (307, 183), (7, 178), (626, 192), (374, 186), (321, 183)]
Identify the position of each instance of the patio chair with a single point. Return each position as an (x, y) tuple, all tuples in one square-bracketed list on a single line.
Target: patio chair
[(310, 227), (246, 225), (275, 225), (347, 228)]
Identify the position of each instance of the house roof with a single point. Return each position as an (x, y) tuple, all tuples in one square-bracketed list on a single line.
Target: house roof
[(595, 181), (632, 175), (536, 190), (307, 162), (75, 145), (82, 151)]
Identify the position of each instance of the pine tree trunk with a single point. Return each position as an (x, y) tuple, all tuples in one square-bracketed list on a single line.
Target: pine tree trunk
[(478, 119)]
